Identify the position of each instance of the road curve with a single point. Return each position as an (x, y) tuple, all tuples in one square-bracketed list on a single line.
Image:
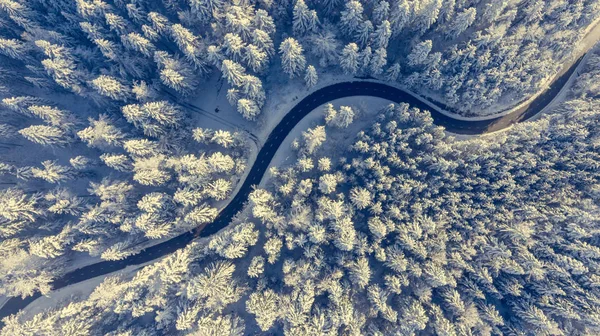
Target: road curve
[(302, 108)]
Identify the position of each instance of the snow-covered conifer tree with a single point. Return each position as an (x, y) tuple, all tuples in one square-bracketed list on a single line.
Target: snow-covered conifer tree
[(364, 60), (111, 87), (351, 17), (381, 12), (392, 73), (419, 53), (311, 77), (137, 42), (325, 46), (330, 114), (140, 147), (52, 172), (101, 133), (233, 72), (364, 33), (349, 59), (151, 171), (262, 40), (175, 73), (461, 22), (118, 162), (253, 89), (248, 108), (233, 46), (255, 58), (400, 15), (360, 197), (214, 56), (45, 135), (344, 117), (382, 35), (201, 215), (304, 20), (314, 137), (378, 61), (292, 58), (204, 9)]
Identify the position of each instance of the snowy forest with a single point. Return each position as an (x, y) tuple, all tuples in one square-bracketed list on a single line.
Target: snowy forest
[(406, 232), (384, 224)]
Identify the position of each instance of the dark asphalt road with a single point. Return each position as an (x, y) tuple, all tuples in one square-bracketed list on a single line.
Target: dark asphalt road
[(314, 100)]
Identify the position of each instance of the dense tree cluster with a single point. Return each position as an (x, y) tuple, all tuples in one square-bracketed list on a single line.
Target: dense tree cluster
[(98, 154), (409, 232)]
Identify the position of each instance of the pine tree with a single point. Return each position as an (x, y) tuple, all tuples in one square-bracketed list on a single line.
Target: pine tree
[(328, 183), (360, 272), (378, 61), (349, 59), (45, 135), (400, 16), (219, 189), (201, 215), (119, 251), (61, 66), (351, 17), (253, 89), (419, 53), (330, 114), (221, 138), (314, 138), (111, 87), (364, 60), (80, 162), (264, 22), (13, 48), (429, 15), (52, 172), (311, 77), (326, 47), (214, 56), (262, 40), (175, 73), (381, 12), (233, 46), (255, 58), (382, 35), (53, 116), (392, 73), (233, 72), (248, 108), (344, 117), (204, 9), (364, 33), (16, 206), (304, 20), (256, 267), (292, 58), (264, 306), (118, 162), (137, 42), (101, 133), (461, 22), (151, 171)]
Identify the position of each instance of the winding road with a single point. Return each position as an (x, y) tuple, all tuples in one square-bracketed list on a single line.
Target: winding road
[(302, 108)]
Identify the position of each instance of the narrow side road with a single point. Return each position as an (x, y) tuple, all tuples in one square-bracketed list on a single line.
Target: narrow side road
[(305, 106)]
